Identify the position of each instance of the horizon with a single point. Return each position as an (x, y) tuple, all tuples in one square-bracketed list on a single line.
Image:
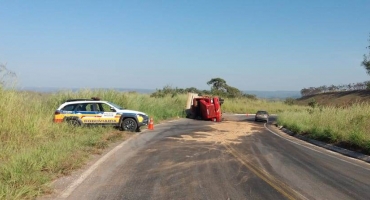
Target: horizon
[(256, 46), (258, 94), (125, 88)]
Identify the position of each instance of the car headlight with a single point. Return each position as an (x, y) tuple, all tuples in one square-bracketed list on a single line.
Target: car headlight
[(141, 117)]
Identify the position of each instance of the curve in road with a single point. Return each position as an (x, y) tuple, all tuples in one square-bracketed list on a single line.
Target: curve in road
[(236, 159)]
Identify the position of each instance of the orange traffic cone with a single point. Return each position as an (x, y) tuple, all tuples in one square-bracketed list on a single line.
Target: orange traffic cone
[(151, 124)]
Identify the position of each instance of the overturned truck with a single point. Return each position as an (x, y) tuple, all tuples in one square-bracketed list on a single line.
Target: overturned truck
[(204, 107)]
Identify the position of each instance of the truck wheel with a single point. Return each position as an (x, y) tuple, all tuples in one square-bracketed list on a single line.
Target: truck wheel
[(129, 124)]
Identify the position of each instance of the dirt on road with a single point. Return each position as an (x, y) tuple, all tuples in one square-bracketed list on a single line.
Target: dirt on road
[(228, 132), (235, 159)]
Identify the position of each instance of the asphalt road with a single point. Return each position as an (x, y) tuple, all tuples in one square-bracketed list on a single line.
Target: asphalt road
[(258, 165)]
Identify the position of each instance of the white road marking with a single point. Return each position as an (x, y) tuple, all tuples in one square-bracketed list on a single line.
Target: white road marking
[(68, 191), (316, 150)]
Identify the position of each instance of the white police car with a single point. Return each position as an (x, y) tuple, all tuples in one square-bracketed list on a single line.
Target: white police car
[(97, 112)]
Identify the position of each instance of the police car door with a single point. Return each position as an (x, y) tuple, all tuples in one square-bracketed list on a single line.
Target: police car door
[(89, 113), (108, 115)]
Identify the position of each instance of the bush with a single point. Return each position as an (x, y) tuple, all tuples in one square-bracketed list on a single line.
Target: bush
[(289, 101), (312, 103)]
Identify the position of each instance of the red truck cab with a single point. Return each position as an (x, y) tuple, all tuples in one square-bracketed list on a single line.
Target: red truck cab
[(207, 108)]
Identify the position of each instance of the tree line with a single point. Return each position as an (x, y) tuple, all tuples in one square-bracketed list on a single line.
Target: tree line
[(340, 88), (335, 88), (219, 87)]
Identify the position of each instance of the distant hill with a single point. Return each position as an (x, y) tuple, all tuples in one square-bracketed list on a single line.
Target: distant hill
[(55, 89), (259, 94), (275, 94), (339, 99)]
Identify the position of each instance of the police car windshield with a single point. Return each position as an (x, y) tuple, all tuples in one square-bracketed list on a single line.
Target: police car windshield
[(115, 105)]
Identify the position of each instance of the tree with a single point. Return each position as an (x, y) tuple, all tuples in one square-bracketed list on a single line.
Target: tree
[(367, 85), (323, 88), (366, 62), (217, 84), (6, 76), (219, 87), (233, 92), (304, 92), (192, 89)]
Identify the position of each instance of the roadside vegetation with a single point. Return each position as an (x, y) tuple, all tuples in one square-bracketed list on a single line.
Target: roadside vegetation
[(35, 151), (347, 127), (219, 87), (338, 114), (335, 88), (236, 101), (251, 106)]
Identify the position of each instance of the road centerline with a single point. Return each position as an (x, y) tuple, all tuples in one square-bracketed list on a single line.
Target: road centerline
[(279, 186)]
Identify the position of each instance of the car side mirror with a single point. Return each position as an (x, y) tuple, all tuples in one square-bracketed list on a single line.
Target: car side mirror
[(112, 109)]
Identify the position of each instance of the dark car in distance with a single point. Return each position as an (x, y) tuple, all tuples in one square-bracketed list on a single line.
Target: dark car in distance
[(262, 115)]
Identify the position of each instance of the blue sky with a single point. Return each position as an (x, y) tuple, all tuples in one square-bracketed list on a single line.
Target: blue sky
[(253, 45)]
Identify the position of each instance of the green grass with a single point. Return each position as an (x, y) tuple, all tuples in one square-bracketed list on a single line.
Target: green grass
[(349, 127), (34, 151), (245, 105)]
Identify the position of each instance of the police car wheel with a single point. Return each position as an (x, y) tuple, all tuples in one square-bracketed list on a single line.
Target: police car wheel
[(74, 122), (129, 124)]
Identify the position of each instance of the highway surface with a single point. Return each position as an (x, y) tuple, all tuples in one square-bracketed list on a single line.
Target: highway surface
[(235, 159)]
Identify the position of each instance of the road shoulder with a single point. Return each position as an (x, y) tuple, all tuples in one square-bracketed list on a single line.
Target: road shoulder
[(60, 187), (287, 133)]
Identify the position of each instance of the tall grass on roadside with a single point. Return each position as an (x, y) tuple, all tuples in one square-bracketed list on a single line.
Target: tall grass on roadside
[(343, 126), (34, 151), (245, 105)]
